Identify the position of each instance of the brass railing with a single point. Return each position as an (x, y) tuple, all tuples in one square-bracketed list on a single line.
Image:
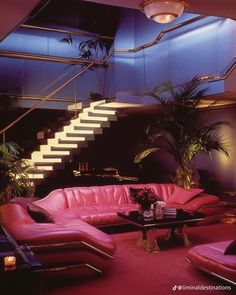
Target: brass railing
[(66, 32), (49, 58), (133, 50)]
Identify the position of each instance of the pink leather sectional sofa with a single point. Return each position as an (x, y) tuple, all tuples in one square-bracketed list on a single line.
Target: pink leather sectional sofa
[(97, 205), (211, 258), (73, 238)]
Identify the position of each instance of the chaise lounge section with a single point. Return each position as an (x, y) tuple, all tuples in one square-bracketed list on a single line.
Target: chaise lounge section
[(73, 246), (213, 259)]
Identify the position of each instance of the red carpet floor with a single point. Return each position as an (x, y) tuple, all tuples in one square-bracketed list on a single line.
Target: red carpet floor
[(137, 272)]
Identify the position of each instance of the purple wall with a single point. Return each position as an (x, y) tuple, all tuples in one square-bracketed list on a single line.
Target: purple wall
[(203, 48), (206, 47), (221, 168)]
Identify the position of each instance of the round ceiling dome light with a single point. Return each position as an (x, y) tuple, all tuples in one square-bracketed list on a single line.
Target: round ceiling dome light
[(163, 11)]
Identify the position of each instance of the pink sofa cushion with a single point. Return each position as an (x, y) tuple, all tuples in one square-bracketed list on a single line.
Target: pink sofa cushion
[(162, 190), (183, 196), (95, 195), (39, 214), (36, 212), (115, 195), (196, 204), (80, 196)]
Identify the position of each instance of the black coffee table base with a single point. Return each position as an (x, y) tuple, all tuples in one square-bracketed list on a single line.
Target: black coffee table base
[(174, 225), (174, 236)]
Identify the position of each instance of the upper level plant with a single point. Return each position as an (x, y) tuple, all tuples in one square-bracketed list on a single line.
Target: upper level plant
[(14, 179), (180, 130)]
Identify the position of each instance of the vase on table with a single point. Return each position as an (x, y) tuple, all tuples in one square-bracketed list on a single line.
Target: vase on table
[(146, 212)]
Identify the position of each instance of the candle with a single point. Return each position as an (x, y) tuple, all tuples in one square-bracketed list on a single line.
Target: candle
[(10, 261)]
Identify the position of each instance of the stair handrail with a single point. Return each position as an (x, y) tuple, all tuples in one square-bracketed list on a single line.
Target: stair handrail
[(132, 50), (46, 97)]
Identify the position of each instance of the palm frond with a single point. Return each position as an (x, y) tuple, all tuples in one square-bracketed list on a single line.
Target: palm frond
[(144, 154)]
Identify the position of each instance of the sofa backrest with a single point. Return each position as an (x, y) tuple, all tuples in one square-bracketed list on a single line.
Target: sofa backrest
[(54, 201), (96, 195), (99, 195), (163, 190)]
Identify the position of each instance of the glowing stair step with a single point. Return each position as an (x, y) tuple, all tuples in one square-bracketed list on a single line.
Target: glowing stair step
[(75, 107), (74, 139), (53, 149), (88, 121), (63, 147), (42, 160), (84, 129), (105, 107), (88, 125), (71, 130), (36, 175), (62, 136), (102, 116), (93, 118), (103, 112), (46, 168), (76, 135), (55, 143), (56, 153)]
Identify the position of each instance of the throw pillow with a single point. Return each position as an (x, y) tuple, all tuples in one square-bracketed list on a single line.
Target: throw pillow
[(22, 201), (231, 249), (182, 196), (39, 214)]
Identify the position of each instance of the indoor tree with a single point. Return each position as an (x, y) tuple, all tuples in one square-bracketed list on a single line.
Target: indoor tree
[(180, 130), (14, 180)]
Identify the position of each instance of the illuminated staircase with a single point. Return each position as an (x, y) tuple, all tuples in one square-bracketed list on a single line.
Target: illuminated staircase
[(70, 140)]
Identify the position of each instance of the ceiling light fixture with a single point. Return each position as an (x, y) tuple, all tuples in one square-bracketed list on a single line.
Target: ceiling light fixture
[(163, 11)]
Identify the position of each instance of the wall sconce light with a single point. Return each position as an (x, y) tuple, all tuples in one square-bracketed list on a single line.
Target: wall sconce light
[(163, 11)]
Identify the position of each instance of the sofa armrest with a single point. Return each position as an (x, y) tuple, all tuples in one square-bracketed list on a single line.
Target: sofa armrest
[(200, 201), (27, 231), (44, 235)]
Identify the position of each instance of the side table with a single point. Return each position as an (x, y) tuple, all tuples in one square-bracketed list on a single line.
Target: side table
[(16, 279)]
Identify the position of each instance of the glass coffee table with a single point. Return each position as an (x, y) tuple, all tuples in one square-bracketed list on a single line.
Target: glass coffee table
[(175, 226)]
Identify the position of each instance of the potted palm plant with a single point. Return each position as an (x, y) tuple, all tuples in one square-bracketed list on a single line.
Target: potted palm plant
[(180, 131), (14, 179)]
